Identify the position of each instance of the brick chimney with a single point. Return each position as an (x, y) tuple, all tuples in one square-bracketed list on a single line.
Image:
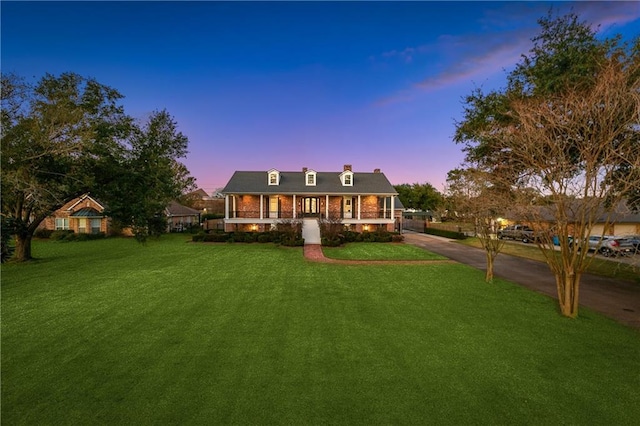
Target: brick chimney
[(347, 168), (376, 170), (304, 170)]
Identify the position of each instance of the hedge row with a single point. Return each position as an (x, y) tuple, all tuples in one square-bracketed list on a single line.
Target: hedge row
[(379, 236), (286, 239), (69, 236), (444, 233)]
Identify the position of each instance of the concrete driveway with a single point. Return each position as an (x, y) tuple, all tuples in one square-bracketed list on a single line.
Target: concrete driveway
[(619, 300)]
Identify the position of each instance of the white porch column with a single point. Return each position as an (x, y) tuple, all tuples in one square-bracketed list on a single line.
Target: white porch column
[(261, 205), (294, 206), (393, 214), (234, 206), (326, 206), (384, 208), (226, 206), (359, 202)]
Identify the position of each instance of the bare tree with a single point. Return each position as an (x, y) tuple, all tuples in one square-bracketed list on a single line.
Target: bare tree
[(479, 201), (580, 151)]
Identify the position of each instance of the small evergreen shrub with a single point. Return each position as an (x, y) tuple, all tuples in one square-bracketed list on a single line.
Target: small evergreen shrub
[(444, 233), (43, 233), (61, 235)]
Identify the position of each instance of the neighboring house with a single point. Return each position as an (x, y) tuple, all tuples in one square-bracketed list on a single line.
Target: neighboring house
[(623, 222), (620, 223), (258, 200), (181, 218), (206, 204), (82, 215)]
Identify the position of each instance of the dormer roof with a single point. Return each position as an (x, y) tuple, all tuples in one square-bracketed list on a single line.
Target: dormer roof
[(273, 177)]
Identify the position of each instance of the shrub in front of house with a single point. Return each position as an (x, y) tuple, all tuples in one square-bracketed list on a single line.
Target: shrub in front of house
[(335, 238), (68, 236), (60, 235), (444, 233), (43, 233), (216, 237)]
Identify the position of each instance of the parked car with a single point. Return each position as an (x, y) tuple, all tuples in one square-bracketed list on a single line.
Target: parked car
[(611, 245), (517, 232), (635, 241)]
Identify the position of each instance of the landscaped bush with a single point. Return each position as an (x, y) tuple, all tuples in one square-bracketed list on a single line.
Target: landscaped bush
[(69, 236), (60, 235), (43, 233), (265, 237), (331, 242), (397, 238), (216, 237), (286, 238), (334, 236), (444, 233), (293, 242)]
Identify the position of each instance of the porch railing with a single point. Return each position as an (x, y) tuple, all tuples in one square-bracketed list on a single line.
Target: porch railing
[(288, 214)]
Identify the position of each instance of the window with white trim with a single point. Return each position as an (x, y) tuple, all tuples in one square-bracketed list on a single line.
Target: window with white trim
[(62, 224), (346, 178), (310, 178), (274, 177)]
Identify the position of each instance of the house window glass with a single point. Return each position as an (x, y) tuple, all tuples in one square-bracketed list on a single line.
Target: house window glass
[(311, 179), (273, 179), (347, 180), (95, 226), (62, 224), (82, 225)]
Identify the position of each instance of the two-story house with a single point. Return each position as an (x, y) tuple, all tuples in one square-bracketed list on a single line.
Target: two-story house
[(258, 200)]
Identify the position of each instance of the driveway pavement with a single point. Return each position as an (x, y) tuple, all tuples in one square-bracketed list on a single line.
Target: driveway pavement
[(619, 300)]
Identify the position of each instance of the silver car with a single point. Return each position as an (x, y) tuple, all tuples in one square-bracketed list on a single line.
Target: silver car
[(611, 246)]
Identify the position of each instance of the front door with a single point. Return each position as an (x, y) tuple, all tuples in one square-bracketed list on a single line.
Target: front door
[(348, 208), (310, 206)]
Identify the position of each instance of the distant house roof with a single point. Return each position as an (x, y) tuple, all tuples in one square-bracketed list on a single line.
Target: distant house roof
[(87, 212), (84, 197), (199, 193), (176, 209), (326, 183)]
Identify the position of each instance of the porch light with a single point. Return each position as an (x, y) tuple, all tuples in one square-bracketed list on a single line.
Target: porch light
[(365, 227)]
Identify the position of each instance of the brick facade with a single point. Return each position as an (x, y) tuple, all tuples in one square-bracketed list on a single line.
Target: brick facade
[(77, 224)]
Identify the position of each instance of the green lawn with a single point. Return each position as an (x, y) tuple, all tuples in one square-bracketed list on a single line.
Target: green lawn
[(112, 332)]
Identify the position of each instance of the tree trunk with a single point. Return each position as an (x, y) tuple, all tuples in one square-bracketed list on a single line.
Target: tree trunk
[(489, 276), (568, 289), (23, 248)]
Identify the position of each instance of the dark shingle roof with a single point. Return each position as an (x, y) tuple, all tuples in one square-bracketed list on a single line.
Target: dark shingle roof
[(176, 209), (294, 183), (87, 212)]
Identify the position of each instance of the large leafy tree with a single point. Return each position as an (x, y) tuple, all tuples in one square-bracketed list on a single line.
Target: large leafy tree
[(566, 129), (66, 135), (149, 176), (52, 135), (419, 196)]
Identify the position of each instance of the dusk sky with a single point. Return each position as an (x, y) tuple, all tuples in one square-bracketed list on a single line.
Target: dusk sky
[(286, 85)]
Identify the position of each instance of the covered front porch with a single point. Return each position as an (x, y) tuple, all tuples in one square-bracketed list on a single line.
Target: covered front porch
[(258, 210)]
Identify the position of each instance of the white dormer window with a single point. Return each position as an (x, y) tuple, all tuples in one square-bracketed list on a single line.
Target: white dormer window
[(274, 177), (310, 178), (347, 178)]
